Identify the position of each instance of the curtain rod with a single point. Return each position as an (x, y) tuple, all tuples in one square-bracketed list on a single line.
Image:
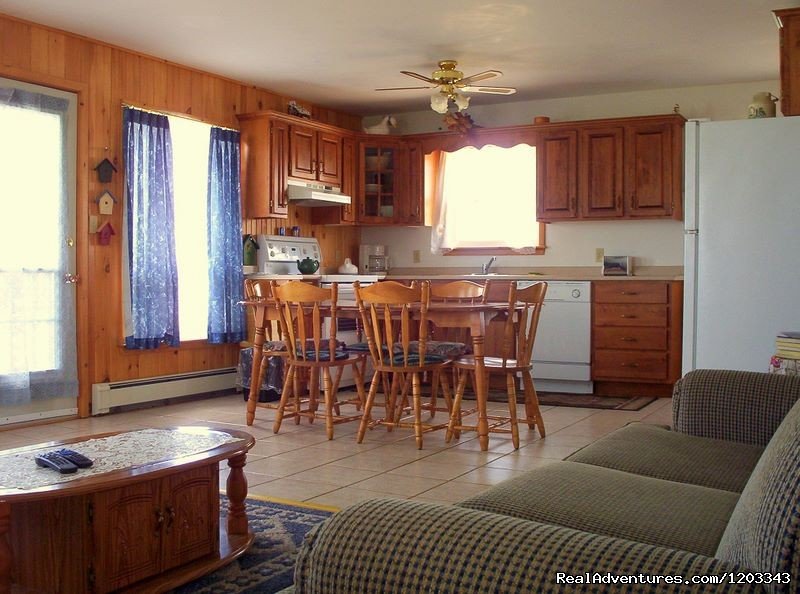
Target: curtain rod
[(175, 114)]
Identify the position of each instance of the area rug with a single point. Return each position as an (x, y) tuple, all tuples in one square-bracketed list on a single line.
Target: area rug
[(269, 564), (581, 400)]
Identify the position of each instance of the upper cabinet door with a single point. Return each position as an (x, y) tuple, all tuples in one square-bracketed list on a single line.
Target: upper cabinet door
[(329, 161), (650, 170), (303, 155), (600, 172), (278, 160), (556, 175)]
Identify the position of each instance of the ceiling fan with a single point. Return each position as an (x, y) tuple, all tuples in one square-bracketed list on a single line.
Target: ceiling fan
[(451, 84)]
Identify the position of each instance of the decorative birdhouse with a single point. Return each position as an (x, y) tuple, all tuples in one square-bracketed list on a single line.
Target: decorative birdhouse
[(105, 169), (104, 233), (106, 202)]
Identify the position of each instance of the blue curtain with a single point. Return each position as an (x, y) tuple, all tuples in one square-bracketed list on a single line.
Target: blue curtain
[(151, 282), (226, 319)]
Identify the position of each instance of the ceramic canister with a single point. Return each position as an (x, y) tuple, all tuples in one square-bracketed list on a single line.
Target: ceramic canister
[(763, 106)]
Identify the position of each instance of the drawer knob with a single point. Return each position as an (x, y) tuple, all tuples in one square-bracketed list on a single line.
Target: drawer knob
[(628, 316)]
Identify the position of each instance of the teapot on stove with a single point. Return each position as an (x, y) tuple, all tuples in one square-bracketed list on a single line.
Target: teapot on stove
[(308, 266)]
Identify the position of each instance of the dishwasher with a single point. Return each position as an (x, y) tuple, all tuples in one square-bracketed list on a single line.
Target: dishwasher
[(562, 350)]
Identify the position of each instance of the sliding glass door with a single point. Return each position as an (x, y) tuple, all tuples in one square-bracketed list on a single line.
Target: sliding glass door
[(38, 363)]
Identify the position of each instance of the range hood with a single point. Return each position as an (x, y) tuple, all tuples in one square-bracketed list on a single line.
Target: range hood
[(310, 194)]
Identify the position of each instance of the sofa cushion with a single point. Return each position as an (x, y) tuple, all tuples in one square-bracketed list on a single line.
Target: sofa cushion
[(653, 450), (764, 530), (614, 503)]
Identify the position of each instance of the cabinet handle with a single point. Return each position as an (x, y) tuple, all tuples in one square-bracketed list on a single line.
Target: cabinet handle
[(627, 339), (628, 316), (313, 166), (170, 517), (628, 293), (629, 365), (159, 520)]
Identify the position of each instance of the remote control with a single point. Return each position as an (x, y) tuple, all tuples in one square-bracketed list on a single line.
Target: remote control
[(56, 462), (76, 458)]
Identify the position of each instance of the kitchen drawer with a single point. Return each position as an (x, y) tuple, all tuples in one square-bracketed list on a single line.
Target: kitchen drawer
[(630, 338), (630, 292), (619, 364), (619, 314)]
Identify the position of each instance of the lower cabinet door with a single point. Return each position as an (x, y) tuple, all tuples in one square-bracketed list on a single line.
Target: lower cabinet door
[(127, 535), (191, 509)]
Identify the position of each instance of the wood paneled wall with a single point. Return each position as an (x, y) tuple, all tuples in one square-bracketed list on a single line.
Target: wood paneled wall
[(106, 77)]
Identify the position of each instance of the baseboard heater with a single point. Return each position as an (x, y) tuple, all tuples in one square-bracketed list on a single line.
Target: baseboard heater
[(109, 395)]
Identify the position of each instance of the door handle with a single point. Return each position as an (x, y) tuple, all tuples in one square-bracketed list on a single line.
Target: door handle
[(71, 279)]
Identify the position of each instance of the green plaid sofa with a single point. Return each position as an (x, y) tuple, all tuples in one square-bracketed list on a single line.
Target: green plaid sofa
[(713, 504)]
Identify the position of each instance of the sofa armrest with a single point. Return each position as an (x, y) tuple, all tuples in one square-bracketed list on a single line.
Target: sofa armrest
[(743, 406), (388, 545)]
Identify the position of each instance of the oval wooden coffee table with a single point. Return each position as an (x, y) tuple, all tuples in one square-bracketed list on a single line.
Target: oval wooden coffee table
[(144, 518)]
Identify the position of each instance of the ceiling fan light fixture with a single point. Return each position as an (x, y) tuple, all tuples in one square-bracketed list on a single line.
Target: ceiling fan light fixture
[(439, 102), (461, 101)]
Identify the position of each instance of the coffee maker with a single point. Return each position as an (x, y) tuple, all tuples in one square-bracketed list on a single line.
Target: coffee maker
[(372, 259)]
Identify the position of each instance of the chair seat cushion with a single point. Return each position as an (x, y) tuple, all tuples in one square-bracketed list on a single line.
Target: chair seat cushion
[(441, 348), (324, 355), (653, 450), (358, 347), (614, 503), (414, 359)]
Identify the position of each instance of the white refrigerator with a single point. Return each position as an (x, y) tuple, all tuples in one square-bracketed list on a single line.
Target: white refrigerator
[(742, 241)]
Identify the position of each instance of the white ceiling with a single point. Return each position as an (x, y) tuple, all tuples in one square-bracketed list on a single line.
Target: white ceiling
[(337, 53)]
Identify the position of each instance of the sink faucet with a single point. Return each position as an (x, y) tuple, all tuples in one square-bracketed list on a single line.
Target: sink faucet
[(485, 267)]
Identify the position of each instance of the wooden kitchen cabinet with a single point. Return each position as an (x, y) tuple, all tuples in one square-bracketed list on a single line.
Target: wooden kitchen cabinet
[(315, 155), (413, 198), (380, 181), (275, 147), (600, 172), (652, 168), (346, 214), (556, 175), (264, 146), (636, 336), (625, 168), (789, 36)]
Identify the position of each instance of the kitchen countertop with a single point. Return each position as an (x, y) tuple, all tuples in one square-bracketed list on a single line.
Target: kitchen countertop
[(554, 273)]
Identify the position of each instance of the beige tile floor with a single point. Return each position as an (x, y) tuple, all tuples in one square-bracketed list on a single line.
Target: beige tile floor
[(299, 463)]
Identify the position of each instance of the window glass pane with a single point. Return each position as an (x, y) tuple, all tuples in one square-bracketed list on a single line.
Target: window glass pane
[(490, 197), (190, 141), (30, 239)]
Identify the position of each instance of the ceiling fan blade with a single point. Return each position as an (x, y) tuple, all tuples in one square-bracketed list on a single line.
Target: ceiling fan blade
[(487, 74), (402, 88), (419, 76), (492, 90)]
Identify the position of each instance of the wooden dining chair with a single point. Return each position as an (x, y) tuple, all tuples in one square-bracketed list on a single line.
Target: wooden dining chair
[(273, 346), (519, 334), (395, 323), (306, 311), (459, 339)]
